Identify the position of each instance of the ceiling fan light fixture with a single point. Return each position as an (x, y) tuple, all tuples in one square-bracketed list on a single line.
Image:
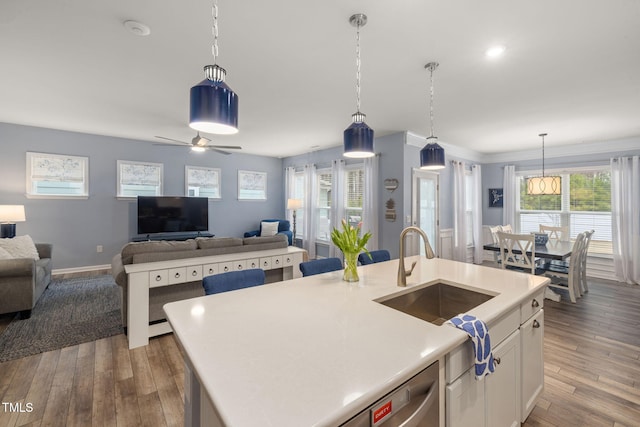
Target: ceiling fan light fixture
[(544, 185), (358, 137), (198, 149), (495, 51), (213, 105)]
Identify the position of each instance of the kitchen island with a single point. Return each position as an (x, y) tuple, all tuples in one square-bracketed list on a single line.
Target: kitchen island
[(315, 351)]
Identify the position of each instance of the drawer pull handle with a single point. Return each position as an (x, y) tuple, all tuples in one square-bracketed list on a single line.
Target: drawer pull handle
[(194, 273), (277, 261), (177, 275), (253, 265), (226, 269), (158, 278), (239, 266), (497, 359), (535, 304), (211, 271), (266, 263), (536, 324), (288, 260)]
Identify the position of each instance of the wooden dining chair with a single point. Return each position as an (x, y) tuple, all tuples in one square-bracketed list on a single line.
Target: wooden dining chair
[(560, 234), (584, 288), (494, 236), (572, 273), (518, 252)]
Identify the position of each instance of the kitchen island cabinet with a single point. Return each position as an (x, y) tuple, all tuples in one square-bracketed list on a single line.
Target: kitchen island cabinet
[(315, 351)]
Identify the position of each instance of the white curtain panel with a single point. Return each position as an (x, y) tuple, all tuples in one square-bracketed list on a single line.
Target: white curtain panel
[(310, 206), (459, 212), (625, 210), (337, 202), (509, 196), (476, 176), (370, 205), (289, 190)]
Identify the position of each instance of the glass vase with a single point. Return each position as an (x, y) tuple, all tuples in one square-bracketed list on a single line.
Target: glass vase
[(350, 267)]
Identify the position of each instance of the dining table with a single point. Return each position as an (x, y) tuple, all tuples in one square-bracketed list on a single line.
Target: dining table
[(553, 250)]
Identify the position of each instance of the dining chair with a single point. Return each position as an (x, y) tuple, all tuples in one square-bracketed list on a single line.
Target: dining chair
[(494, 236), (518, 252), (380, 255), (506, 228), (555, 233), (319, 266), (584, 288), (572, 273), (232, 280)]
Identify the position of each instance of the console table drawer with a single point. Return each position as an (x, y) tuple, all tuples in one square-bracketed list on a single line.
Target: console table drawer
[(225, 267), (239, 265), (194, 273), (276, 261), (265, 263), (253, 263), (209, 269), (158, 278), (288, 260), (177, 275)]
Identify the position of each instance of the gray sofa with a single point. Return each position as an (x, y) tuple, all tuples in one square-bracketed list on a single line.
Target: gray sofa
[(23, 280), (152, 251)]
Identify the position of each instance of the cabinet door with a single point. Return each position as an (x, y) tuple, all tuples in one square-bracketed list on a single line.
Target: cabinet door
[(531, 337), (502, 387), (465, 401)]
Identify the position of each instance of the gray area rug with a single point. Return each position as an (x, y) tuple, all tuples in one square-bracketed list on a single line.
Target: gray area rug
[(69, 312)]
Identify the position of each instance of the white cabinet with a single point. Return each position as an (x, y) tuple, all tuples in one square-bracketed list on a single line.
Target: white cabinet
[(531, 336), (502, 387), (465, 401)]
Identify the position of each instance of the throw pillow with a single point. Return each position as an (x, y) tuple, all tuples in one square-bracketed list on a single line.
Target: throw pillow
[(20, 247), (269, 228), (4, 254)]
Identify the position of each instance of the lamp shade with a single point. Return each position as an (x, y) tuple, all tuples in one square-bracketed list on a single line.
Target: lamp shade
[(12, 213), (294, 204), (214, 106), (544, 185), (358, 140), (432, 156)]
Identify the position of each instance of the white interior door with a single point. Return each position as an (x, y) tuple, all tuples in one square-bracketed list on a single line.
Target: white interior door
[(425, 210)]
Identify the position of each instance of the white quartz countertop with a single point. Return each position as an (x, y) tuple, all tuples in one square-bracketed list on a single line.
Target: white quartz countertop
[(317, 350)]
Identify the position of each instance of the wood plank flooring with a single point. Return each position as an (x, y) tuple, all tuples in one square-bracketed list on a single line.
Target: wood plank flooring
[(592, 373)]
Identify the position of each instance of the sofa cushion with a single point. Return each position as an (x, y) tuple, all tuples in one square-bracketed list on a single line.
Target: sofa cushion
[(218, 242), (268, 228), (278, 238), (4, 254), (131, 249), (20, 247)]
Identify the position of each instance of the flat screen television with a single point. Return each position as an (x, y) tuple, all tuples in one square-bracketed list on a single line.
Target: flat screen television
[(165, 214)]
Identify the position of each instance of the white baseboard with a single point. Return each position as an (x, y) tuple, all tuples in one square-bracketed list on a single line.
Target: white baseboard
[(84, 269)]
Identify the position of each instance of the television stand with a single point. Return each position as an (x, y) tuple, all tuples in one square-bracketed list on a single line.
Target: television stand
[(170, 236)]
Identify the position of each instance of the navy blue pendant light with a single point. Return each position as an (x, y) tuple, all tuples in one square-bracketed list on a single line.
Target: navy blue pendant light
[(213, 105), (432, 154), (358, 137)]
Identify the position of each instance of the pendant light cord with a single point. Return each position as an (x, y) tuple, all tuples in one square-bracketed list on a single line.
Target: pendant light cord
[(358, 67), (431, 99), (542, 135), (214, 31)]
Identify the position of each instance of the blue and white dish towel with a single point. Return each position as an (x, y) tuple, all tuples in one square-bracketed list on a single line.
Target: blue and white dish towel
[(479, 334)]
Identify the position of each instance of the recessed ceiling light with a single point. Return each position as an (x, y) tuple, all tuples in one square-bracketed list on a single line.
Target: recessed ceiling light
[(137, 28), (495, 51)]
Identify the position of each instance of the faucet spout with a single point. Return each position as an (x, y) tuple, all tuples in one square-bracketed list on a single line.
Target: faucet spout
[(402, 272)]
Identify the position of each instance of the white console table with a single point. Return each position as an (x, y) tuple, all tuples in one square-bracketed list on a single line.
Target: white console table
[(144, 276)]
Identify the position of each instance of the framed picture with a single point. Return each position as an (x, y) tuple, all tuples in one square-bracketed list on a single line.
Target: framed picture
[(252, 185), (495, 197)]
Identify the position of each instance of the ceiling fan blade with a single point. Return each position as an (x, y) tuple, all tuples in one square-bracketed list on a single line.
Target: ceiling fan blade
[(166, 144), (228, 147), (174, 140), (210, 148)]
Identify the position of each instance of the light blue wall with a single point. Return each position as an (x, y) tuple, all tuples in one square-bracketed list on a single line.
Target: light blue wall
[(492, 173), (76, 227)]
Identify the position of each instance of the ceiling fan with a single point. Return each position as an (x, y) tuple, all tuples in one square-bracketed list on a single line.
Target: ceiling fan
[(200, 143)]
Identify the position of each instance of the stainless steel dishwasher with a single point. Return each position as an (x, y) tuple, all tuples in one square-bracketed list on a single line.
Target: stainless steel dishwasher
[(414, 404)]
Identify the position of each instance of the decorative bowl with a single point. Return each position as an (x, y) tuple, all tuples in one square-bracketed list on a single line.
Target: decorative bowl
[(541, 239)]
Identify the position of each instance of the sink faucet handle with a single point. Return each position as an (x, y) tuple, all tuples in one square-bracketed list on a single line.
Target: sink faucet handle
[(413, 265)]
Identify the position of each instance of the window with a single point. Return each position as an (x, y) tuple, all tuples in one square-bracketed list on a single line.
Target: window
[(139, 179), (354, 193), (323, 210), (202, 182), (56, 175), (585, 204)]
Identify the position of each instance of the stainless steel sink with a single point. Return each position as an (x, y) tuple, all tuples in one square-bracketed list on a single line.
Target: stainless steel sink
[(437, 303)]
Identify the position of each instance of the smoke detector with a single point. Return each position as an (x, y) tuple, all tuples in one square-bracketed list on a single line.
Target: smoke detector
[(137, 28)]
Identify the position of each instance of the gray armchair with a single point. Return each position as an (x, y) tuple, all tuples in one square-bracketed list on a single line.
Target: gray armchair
[(23, 280)]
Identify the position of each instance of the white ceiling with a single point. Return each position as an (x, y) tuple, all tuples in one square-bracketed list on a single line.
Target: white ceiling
[(571, 69)]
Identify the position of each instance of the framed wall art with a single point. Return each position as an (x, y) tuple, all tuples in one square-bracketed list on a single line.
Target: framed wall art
[(252, 185), (495, 197)]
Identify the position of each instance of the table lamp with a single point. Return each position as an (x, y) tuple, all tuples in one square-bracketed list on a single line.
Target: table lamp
[(294, 204), (9, 215)]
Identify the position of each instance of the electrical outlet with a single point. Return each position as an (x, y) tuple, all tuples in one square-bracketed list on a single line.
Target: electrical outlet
[(99, 248)]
